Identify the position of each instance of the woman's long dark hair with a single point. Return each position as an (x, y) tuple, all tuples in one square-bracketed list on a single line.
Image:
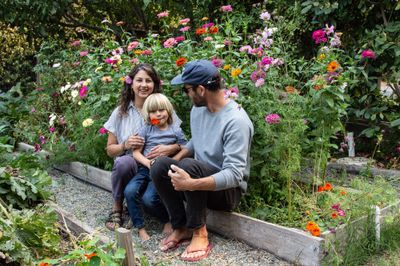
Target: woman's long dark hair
[(128, 95)]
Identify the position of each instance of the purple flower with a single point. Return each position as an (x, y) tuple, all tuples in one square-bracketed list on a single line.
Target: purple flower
[(83, 91), (336, 206), (368, 54), (42, 139), (259, 82), (273, 119), (341, 212), (265, 16), (52, 129), (330, 29), (128, 79), (37, 147), (266, 61), (319, 36), (207, 25), (256, 75)]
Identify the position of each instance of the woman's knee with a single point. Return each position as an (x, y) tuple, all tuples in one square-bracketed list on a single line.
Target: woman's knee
[(160, 167), (125, 165)]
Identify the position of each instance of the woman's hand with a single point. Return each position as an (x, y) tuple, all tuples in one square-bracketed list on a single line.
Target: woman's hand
[(162, 150), (133, 142)]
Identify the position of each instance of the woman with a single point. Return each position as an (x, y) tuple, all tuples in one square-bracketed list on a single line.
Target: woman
[(123, 126)]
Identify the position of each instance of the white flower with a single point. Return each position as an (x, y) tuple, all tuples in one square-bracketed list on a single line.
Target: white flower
[(86, 82), (87, 122), (219, 46), (74, 93), (56, 65), (80, 103), (66, 87), (52, 117)]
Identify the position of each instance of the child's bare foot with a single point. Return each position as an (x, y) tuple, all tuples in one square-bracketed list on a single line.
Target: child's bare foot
[(167, 230), (144, 236)]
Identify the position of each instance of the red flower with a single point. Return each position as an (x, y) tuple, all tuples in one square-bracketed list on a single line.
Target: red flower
[(327, 187), (316, 231), (334, 215), (320, 188), (181, 61), (213, 30), (200, 31), (43, 264), (154, 122)]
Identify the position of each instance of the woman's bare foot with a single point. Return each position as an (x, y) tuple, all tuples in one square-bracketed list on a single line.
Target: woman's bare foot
[(175, 239), (167, 230), (144, 236)]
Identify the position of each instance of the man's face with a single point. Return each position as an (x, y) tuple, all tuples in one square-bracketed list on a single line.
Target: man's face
[(193, 92)]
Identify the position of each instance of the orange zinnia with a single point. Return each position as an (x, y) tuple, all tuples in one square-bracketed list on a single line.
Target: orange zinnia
[(320, 188), (316, 231), (332, 66), (317, 87), (43, 264), (327, 187), (89, 256), (200, 31), (181, 61), (343, 192), (290, 89), (213, 29), (138, 52), (310, 225)]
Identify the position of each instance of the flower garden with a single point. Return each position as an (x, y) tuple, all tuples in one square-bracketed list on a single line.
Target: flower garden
[(302, 101)]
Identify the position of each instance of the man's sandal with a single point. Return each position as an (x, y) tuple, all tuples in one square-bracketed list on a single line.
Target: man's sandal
[(114, 220)]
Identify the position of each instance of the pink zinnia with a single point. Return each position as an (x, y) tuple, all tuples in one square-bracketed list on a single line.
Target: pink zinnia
[(184, 21), (118, 51), (217, 62), (207, 25), (37, 147), (52, 129), (147, 52), (163, 14), (83, 53), (368, 54), (319, 36), (76, 43), (208, 38), (183, 29), (273, 119), (227, 8), (83, 91), (111, 61), (128, 79), (266, 61), (170, 43), (132, 46), (102, 131), (259, 82), (180, 38)]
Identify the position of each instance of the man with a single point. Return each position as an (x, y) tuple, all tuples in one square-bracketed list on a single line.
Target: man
[(216, 177)]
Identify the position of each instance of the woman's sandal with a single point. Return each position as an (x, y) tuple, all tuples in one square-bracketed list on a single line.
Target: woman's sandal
[(114, 220), (126, 219)]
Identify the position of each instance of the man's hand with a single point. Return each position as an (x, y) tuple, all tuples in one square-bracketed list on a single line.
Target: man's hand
[(181, 180)]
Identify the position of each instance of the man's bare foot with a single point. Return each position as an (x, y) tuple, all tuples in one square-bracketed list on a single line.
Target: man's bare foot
[(199, 246), (175, 239), (167, 230), (144, 236)]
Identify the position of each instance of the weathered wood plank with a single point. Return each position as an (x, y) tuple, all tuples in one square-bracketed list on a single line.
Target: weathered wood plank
[(288, 243), (77, 226)]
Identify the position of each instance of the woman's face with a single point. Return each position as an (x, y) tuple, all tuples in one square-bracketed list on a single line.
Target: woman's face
[(142, 85)]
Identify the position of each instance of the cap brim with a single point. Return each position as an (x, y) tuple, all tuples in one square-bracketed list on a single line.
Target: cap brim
[(177, 80)]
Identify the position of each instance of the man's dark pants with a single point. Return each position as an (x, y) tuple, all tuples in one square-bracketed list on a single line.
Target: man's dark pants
[(197, 202)]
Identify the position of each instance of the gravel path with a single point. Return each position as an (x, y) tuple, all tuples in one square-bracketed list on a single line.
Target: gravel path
[(92, 205)]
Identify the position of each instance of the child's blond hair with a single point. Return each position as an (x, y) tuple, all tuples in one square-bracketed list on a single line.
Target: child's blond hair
[(157, 101)]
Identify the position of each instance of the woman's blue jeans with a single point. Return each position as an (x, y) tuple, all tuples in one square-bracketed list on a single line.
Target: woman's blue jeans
[(141, 195)]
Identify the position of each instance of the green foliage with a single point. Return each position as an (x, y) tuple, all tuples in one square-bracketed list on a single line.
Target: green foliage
[(22, 183), (28, 233), (89, 251), (17, 55)]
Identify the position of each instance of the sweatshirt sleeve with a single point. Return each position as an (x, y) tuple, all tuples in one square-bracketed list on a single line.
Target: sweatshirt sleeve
[(236, 145)]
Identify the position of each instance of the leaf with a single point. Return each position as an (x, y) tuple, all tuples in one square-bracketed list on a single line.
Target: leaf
[(395, 123)]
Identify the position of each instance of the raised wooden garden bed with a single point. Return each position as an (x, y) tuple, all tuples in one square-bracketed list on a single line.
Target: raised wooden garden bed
[(291, 244)]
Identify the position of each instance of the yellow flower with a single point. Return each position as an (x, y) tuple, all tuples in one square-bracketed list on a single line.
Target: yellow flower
[(87, 122), (138, 52), (321, 57), (204, 18), (122, 79), (226, 67), (236, 72)]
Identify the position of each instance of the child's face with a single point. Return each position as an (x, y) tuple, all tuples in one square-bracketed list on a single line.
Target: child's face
[(159, 118)]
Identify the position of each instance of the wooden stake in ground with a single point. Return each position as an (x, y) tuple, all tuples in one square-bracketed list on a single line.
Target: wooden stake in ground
[(124, 237)]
